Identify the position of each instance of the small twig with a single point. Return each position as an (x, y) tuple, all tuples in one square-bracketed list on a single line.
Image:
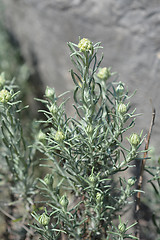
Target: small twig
[(140, 180)]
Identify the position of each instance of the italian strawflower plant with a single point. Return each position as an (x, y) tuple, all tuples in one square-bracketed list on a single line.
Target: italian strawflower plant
[(15, 150), (85, 194), (17, 159)]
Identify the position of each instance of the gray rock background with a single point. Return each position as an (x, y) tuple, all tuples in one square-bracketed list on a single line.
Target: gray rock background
[(128, 29)]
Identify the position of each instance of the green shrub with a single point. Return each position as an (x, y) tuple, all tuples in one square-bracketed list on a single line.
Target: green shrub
[(84, 194)]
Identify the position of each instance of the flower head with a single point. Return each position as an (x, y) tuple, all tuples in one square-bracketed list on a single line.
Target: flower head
[(120, 89), (122, 227), (89, 129), (99, 197), (64, 202), (85, 45), (59, 136), (92, 178), (53, 108), (131, 181), (49, 92), (134, 139), (5, 96), (48, 179), (44, 219), (122, 109), (104, 73), (41, 136)]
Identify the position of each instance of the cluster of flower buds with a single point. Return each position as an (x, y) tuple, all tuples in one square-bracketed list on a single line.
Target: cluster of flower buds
[(85, 45), (5, 96), (59, 136), (104, 73)]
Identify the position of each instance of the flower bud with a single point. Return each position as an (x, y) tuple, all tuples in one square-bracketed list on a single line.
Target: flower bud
[(41, 136), (134, 139), (122, 109), (53, 109), (89, 129), (49, 92), (64, 202), (59, 136), (2, 79), (104, 73), (48, 179), (44, 219), (122, 227), (120, 89), (5, 96), (131, 181), (92, 178), (99, 197), (85, 45)]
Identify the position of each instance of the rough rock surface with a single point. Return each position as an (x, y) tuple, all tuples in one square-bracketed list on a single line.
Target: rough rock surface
[(128, 29)]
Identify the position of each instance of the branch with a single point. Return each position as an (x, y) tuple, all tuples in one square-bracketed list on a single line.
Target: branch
[(140, 180)]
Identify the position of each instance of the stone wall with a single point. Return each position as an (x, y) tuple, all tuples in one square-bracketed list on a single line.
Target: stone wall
[(128, 29)]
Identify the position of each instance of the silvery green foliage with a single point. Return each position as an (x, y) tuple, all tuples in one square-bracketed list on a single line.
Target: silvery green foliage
[(85, 152), (19, 157)]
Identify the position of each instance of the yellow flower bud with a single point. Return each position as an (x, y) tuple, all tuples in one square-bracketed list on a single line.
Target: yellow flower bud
[(41, 136), (44, 219), (64, 202), (92, 178), (53, 109), (99, 197), (89, 129), (122, 227), (134, 139), (48, 179), (49, 92), (122, 109), (59, 136), (131, 181), (104, 73), (120, 89), (5, 96), (85, 45)]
